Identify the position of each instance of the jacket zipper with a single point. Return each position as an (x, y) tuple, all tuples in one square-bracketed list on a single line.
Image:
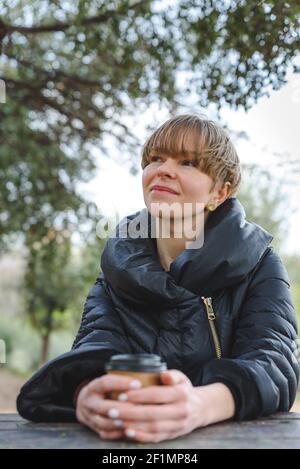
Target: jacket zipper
[(211, 319)]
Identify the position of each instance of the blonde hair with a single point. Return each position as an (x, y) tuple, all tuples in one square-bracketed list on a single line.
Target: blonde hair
[(212, 148)]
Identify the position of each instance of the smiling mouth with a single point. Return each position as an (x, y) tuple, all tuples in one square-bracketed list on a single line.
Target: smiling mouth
[(163, 189)]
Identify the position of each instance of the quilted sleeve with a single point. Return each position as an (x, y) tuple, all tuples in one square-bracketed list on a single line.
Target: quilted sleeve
[(48, 396), (100, 322)]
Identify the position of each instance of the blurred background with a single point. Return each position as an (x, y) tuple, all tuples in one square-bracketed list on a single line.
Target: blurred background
[(82, 85)]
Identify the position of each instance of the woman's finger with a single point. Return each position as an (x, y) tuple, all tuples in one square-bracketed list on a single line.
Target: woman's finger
[(156, 427), (173, 377), (117, 435), (103, 427), (100, 423), (92, 403), (157, 394), (107, 383), (131, 411), (145, 437)]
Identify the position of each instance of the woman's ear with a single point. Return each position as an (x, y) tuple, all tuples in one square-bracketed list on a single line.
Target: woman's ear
[(223, 193)]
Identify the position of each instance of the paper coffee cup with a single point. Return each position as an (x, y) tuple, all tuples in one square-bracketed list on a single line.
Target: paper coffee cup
[(145, 367)]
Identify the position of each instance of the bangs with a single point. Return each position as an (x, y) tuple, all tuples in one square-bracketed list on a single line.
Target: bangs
[(175, 141)]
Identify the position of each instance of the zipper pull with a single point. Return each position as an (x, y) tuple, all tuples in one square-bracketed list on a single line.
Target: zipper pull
[(211, 317), (209, 309)]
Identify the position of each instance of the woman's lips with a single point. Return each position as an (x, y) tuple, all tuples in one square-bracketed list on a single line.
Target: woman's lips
[(163, 189)]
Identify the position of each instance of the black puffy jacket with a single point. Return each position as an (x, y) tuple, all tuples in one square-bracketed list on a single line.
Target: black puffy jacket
[(136, 306)]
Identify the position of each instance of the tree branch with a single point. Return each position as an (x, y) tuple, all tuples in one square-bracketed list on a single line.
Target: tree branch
[(54, 74), (60, 26)]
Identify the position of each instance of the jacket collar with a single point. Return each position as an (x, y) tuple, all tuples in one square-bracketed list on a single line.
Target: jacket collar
[(232, 247)]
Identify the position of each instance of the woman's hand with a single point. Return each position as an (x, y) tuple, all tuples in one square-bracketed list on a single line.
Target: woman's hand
[(162, 412), (154, 413), (150, 414), (89, 404)]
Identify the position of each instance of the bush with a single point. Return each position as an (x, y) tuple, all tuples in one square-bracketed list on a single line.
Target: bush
[(23, 344)]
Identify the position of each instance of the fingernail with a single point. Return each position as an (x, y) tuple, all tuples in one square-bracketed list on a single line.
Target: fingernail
[(113, 413), (130, 433), (118, 423), (123, 397), (135, 384)]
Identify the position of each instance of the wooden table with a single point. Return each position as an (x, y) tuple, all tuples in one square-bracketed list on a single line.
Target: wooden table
[(279, 431)]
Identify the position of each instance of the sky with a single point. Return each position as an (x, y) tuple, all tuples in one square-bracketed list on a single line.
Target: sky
[(273, 125)]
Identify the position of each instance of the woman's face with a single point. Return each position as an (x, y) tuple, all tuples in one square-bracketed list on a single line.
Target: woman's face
[(181, 174)]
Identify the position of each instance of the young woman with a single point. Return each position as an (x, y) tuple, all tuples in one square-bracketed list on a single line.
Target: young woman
[(213, 301)]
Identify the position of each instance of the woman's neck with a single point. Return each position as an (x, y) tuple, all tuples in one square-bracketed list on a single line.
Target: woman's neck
[(170, 246)]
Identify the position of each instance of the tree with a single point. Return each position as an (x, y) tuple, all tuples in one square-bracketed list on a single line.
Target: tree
[(74, 70), (292, 264), (48, 285), (55, 284), (37, 178), (263, 197), (77, 67)]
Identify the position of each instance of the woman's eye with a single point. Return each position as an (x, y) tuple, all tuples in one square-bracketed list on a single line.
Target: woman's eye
[(153, 158), (189, 162), (192, 163)]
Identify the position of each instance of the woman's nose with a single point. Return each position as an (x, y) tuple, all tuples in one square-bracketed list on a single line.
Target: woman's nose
[(167, 168)]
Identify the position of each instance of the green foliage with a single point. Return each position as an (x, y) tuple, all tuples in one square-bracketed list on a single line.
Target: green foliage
[(23, 344), (48, 281), (37, 178), (72, 70), (292, 264), (85, 263), (56, 282), (76, 67), (263, 197)]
